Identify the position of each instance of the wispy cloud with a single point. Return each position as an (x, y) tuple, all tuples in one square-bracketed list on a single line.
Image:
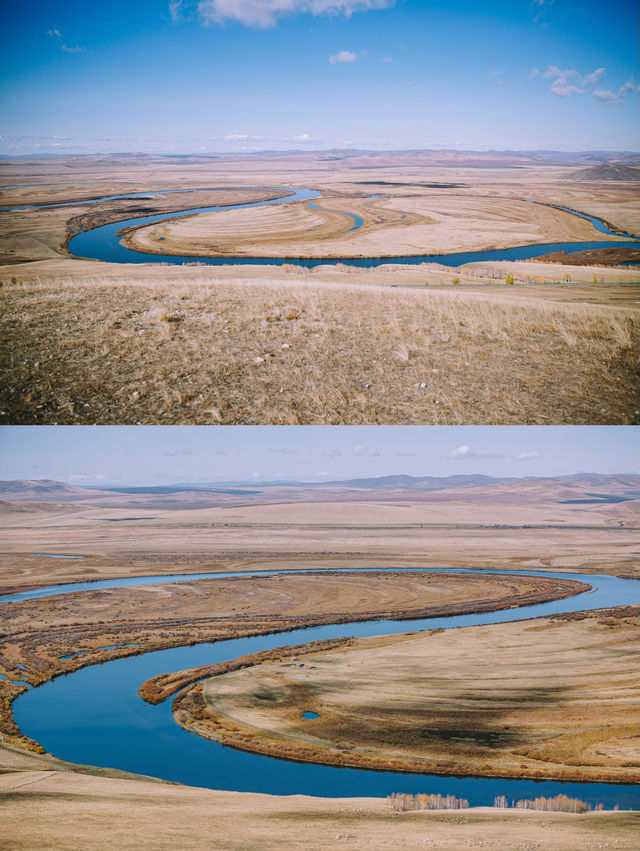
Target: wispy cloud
[(266, 13), (608, 96), (568, 82), (366, 451), (343, 56), (175, 10), (526, 456), (539, 9), (466, 453), (55, 33), (409, 82)]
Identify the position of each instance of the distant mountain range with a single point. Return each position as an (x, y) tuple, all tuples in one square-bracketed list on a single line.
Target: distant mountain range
[(623, 485)]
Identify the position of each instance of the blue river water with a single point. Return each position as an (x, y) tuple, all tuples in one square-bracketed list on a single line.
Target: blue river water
[(94, 716)]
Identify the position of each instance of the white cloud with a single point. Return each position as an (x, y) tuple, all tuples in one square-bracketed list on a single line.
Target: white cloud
[(388, 60), (570, 82), (266, 13), (526, 456), (366, 451), (342, 56), (303, 137), (466, 453), (592, 78), (235, 137), (409, 83), (55, 33), (608, 96), (563, 88)]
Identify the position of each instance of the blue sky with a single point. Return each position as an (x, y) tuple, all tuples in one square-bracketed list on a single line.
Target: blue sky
[(233, 75), (161, 455)]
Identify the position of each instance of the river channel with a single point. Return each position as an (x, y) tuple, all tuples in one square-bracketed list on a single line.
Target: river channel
[(95, 717)]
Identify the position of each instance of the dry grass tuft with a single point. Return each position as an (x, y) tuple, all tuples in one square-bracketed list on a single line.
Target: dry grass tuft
[(296, 353)]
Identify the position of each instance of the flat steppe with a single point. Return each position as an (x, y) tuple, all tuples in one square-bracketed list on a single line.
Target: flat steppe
[(97, 342), (527, 524), (549, 698)]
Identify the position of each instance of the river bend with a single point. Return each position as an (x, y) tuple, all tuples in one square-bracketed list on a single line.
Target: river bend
[(95, 717)]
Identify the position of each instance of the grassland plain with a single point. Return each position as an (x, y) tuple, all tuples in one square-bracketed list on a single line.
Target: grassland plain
[(549, 698), (97, 342), (252, 352), (537, 523)]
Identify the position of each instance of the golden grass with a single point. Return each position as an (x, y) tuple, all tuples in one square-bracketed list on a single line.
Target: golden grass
[(253, 353)]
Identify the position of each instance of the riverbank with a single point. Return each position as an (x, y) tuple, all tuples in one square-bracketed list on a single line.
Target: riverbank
[(549, 698)]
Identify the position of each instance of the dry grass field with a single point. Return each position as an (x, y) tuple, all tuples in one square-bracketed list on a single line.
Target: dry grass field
[(93, 342), (303, 352), (551, 698)]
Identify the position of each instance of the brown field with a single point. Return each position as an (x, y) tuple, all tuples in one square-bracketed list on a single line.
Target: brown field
[(551, 698), (93, 342), (104, 813)]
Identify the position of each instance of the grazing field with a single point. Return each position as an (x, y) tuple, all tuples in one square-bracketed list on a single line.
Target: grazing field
[(487, 343), (550, 698)]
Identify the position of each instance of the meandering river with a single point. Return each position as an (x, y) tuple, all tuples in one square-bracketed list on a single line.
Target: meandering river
[(94, 716), (103, 243)]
